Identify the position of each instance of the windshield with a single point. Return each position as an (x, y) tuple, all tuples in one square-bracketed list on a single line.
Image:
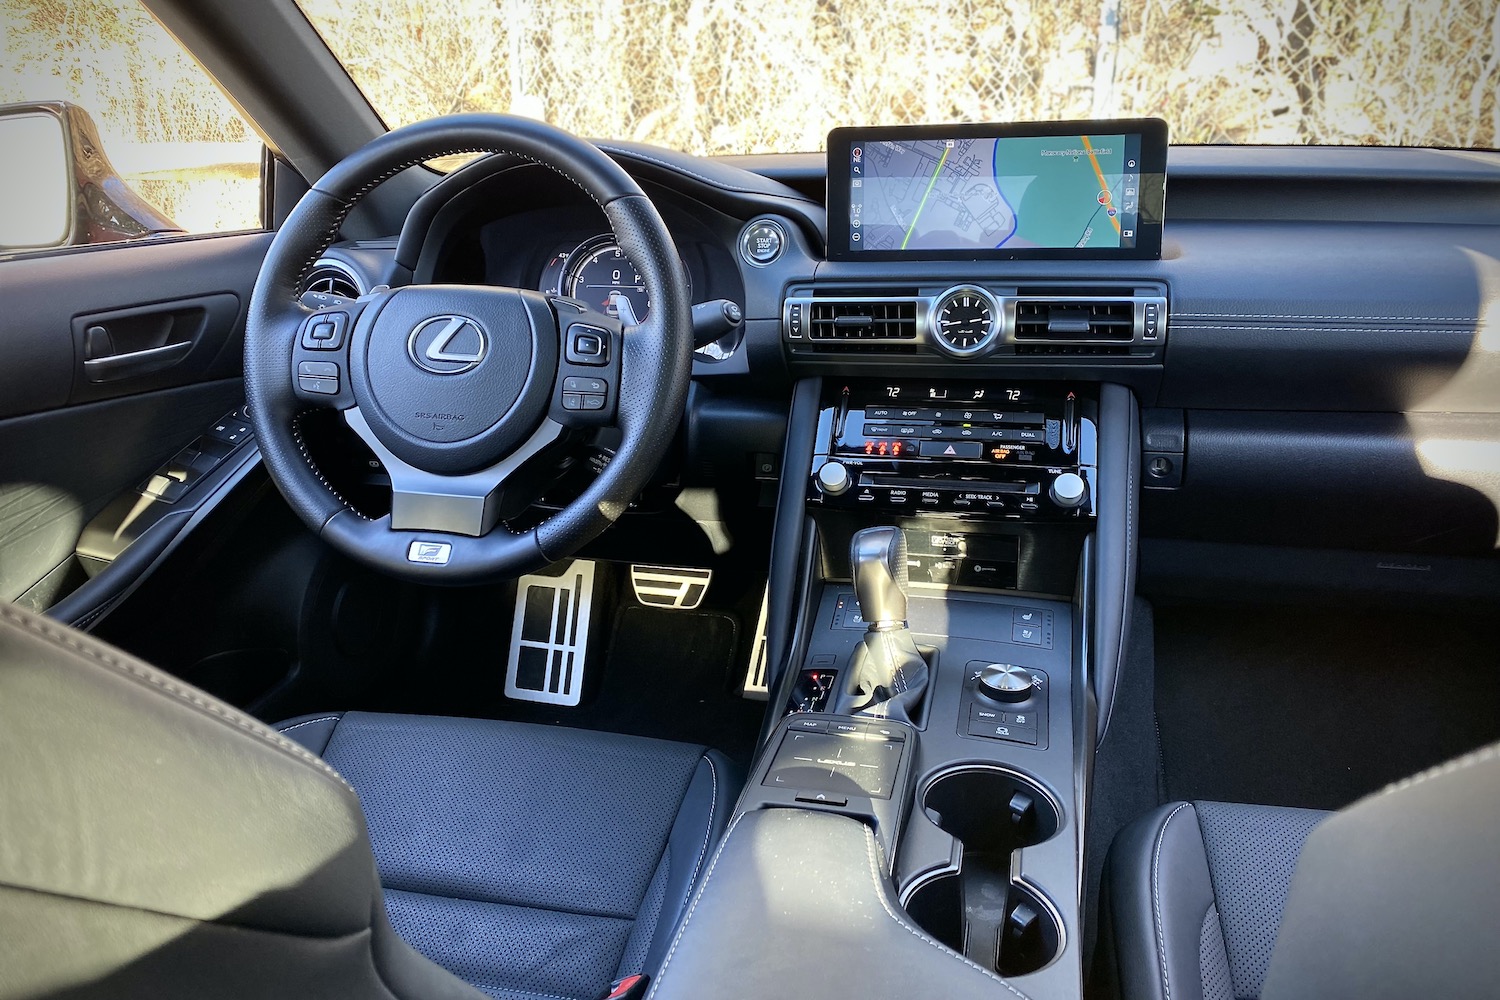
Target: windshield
[(755, 76)]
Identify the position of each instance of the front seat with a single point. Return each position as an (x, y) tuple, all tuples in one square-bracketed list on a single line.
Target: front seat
[(157, 842), (1396, 896)]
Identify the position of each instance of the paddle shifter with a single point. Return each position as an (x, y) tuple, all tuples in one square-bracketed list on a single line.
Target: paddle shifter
[(889, 675)]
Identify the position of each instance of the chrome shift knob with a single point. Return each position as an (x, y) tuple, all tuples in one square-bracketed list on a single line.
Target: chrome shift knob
[(878, 558)]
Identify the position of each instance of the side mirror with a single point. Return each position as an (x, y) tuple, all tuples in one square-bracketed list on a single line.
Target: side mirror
[(58, 189), (34, 162)]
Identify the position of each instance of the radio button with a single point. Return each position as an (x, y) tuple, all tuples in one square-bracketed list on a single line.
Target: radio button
[(950, 449)]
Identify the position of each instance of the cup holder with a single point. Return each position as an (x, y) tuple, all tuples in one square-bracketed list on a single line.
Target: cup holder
[(979, 911)]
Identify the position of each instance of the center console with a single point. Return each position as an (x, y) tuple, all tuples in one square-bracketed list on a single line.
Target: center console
[(990, 505), (953, 557)]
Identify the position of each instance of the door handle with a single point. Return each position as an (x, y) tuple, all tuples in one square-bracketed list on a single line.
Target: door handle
[(135, 363)]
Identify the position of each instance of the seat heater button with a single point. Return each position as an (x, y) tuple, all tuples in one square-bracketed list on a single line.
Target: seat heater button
[(1029, 635)]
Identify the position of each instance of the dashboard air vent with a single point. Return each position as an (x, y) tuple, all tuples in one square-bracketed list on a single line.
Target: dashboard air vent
[(1075, 320), (862, 321), (330, 278)]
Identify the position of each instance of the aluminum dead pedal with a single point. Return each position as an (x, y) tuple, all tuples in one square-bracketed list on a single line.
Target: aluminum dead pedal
[(680, 588), (550, 636), (754, 687)]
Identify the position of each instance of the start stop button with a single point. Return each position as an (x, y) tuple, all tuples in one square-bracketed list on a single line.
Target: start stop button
[(762, 242)]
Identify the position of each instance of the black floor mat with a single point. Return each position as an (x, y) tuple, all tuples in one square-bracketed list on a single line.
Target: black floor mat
[(668, 674), (1315, 707)]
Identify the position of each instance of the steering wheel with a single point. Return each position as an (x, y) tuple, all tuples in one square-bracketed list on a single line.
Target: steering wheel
[(455, 387)]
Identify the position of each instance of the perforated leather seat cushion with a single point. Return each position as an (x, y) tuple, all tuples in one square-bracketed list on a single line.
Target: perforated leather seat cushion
[(531, 861), (1195, 897)]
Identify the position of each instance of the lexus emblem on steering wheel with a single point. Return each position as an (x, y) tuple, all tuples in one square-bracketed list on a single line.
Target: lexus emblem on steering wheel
[(447, 345)]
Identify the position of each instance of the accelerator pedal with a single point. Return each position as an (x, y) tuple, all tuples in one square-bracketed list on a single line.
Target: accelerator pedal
[(677, 588), (550, 636), (754, 687)]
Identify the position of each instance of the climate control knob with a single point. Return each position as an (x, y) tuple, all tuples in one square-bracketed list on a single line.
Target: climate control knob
[(1068, 490), (833, 478), (1005, 682)]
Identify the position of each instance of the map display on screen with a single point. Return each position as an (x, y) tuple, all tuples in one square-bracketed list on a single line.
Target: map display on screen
[(1076, 192)]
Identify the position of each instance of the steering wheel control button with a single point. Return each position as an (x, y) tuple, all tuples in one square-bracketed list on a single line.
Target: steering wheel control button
[(587, 345), (582, 401), (762, 242), (325, 331), (321, 377), (429, 553), (575, 383)]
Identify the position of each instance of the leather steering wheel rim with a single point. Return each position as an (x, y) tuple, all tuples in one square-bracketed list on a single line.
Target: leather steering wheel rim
[(655, 356)]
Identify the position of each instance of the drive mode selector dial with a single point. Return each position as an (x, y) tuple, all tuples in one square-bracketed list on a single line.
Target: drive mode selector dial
[(1005, 682), (965, 321)]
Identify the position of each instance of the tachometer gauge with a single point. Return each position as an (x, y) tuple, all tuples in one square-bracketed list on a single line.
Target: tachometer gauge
[(599, 274)]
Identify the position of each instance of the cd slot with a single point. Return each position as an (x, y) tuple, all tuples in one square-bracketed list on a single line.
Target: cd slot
[(880, 480)]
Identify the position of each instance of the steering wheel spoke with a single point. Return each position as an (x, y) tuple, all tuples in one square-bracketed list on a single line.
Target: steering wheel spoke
[(461, 505)]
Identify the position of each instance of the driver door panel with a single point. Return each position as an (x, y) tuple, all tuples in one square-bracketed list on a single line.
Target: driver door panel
[(115, 358)]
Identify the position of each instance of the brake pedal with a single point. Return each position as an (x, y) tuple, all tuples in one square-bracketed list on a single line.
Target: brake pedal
[(550, 636), (679, 588), (755, 687)]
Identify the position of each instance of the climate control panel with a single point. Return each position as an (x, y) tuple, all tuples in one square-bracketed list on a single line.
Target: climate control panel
[(1025, 451)]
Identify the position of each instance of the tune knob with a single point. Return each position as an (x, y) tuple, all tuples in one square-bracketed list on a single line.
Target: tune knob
[(833, 478), (1068, 490), (1006, 682)]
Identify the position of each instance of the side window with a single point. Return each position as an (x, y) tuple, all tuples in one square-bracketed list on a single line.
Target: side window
[(110, 131)]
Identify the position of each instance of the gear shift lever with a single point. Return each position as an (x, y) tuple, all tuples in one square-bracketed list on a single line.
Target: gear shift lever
[(878, 556), (888, 675)]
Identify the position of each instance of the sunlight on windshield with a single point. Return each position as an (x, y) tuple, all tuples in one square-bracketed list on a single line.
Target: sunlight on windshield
[(750, 76)]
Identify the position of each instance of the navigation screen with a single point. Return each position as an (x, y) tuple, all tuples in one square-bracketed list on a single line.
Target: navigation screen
[(917, 193)]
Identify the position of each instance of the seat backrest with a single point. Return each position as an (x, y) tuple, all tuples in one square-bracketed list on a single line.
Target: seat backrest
[(1398, 896), (157, 842)]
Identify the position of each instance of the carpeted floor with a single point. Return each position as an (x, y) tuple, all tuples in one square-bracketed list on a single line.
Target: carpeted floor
[(1316, 707)]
